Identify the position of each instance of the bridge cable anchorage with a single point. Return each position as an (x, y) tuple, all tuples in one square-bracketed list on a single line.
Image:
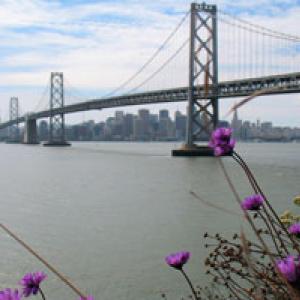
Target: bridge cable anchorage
[(149, 61), (160, 68)]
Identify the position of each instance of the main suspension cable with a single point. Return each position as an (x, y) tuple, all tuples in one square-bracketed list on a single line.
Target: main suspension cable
[(143, 67)]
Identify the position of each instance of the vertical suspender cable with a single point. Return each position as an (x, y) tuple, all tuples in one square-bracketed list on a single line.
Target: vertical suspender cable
[(240, 51), (263, 54), (237, 51), (271, 55), (257, 54), (247, 48), (251, 52)]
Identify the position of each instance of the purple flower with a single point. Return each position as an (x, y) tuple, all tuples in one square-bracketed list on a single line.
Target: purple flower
[(87, 298), (289, 268), (253, 202), (9, 294), (221, 141), (295, 229), (177, 260), (31, 283)]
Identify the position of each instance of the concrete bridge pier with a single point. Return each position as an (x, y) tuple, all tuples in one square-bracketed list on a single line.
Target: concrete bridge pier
[(30, 132), (13, 130)]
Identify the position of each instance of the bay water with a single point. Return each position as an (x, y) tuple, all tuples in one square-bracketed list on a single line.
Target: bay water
[(106, 214)]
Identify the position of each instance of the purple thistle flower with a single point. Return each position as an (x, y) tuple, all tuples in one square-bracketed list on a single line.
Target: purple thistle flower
[(253, 202), (87, 298), (177, 260), (9, 294), (221, 141), (295, 229), (31, 283), (289, 268)]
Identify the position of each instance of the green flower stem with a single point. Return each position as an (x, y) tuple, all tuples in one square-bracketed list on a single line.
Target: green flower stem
[(271, 233), (42, 294), (189, 283), (258, 188)]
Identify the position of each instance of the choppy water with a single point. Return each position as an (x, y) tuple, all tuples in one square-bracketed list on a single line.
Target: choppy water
[(106, 214)]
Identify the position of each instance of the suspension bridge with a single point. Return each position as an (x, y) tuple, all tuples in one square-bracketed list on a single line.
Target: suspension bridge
[(210, 55)]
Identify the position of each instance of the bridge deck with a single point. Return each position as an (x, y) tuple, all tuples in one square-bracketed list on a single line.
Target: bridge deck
[(277, 84)]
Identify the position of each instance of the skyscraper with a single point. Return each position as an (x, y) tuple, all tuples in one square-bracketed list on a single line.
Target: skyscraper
[(180, 125), (236, 125)]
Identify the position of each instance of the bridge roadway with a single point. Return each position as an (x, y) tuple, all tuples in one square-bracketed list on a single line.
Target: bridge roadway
[(270, 85)]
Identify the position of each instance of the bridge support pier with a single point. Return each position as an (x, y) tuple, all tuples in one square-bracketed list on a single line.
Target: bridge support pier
[(30, 132), (57, 119), (13, 130), (202, 117)]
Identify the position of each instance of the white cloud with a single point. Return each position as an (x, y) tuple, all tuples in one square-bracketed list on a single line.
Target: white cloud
[(99, 45)]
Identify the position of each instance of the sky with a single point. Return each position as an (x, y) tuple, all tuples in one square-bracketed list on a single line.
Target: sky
[(99, 44)]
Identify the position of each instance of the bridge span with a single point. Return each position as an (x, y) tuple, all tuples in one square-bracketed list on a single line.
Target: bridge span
[(269, 85)]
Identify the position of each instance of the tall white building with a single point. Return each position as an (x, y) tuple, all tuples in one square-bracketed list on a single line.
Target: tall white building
[(236, 125)]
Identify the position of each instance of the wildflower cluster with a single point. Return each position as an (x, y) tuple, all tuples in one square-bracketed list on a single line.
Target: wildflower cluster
[(31, 283), (267, 267), (253, 202), (30, 286), (221, 141), (177, 260), (289, 267)]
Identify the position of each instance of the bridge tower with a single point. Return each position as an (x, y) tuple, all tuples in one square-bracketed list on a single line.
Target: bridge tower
[(57, 119), (13, 130), (202, 116)]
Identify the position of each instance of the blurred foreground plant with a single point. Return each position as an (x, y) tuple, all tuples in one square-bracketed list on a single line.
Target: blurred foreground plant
[(267, 267), (31, 281)]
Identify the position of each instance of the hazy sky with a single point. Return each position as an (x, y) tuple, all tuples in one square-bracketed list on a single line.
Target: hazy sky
[(99, 44)]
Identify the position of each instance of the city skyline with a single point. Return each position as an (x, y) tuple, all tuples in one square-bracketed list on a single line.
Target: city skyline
[(164, 126)]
